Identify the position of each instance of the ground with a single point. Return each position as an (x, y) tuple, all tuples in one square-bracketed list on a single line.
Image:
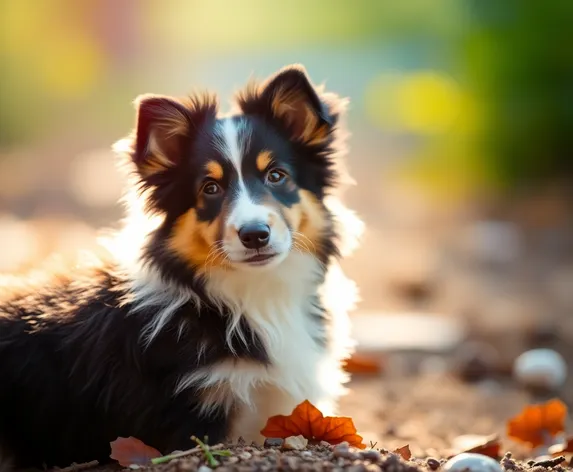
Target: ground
[(431, 413)]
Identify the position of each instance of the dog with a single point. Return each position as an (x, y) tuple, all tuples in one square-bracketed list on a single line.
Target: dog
[(222, 301)]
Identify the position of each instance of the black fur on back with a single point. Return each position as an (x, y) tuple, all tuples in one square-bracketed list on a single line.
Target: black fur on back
[(75, 375)]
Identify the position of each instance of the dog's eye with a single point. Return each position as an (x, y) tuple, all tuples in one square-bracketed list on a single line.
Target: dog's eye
[(211, 188), (276, 176)]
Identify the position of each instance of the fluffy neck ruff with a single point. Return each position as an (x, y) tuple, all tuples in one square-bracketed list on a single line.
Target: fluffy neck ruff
[(263, 298)]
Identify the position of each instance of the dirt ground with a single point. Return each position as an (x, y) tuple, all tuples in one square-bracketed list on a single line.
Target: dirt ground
[(433, 414)]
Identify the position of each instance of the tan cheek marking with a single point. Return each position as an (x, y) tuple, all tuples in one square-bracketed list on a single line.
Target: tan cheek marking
[(193, 241), (294, 216), (263, 160), (215, 170), (313, 219)]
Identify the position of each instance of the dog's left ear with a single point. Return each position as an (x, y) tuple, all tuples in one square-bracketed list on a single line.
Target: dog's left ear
[(290, 98)]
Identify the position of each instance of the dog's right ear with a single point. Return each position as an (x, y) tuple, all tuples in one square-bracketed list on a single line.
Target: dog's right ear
[(164, 131), (164, 126)]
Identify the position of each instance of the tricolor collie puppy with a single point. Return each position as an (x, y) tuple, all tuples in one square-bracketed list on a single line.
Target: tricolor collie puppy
[(224, 307)]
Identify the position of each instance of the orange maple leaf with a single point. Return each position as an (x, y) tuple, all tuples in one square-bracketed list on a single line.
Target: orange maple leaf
[(491, 448), (307, 420), (128, 451), (404, 451), (536, 423)]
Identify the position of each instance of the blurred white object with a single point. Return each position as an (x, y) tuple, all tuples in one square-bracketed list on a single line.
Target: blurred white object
[(543, 368), (380, 331), (469, 462)]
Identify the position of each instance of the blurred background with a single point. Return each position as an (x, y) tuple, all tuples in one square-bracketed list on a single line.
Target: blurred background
[(462, 133)]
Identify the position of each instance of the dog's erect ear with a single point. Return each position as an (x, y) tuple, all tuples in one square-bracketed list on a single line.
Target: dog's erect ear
[(162, 140), (290, 98), (162, 126)]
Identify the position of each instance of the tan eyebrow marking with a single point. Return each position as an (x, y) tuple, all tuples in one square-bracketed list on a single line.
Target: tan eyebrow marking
[(263, 160), (215, 170)]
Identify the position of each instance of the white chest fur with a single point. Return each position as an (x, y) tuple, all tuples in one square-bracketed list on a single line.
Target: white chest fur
[(277, 304)]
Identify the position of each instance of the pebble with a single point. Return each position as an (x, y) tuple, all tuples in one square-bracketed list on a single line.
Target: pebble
[(432, 463), (204, 468), (289, 463), (357, 468), (469, 462), (245, 455), (342, 450), (371, 455), (540, 368), (373, 468), (297, 443), (274, 442)]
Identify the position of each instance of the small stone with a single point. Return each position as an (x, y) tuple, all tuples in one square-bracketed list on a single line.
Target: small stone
[(540, 368), (306, 454), (371, 455), (325, 444), (186, 466), (274, 442), (204, 468), (295, 443), (469, 462), (373, 468), (342, 450), (357, 468), (432, 463), (245, 455), (289, 463), (232, 460)]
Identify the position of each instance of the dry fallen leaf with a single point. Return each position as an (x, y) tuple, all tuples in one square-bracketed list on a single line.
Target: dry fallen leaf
[(404, 451), (490, 447), (131, 450), (362, 364), (536, 424), (308, 421)]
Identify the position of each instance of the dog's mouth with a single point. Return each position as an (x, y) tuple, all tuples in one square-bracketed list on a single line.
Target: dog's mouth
[(259, 259)]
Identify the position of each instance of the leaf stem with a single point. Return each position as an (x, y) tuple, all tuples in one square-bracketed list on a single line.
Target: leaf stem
[(177, 455), (208, 455)]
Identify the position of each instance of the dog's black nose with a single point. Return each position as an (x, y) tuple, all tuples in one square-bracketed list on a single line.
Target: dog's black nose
[(255, 235)]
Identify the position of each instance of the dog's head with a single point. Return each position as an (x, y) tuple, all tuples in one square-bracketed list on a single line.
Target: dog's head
[(244, 190)]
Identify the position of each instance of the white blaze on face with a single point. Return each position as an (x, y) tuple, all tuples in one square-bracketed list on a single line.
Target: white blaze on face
[(233, 141)]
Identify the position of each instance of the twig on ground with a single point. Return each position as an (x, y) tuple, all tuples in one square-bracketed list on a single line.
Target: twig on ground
[(208, 451), (75, 467), (550, 462)]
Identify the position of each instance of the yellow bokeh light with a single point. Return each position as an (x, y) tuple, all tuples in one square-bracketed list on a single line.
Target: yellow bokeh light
[(427, 102), (72, 66), (424, 102)]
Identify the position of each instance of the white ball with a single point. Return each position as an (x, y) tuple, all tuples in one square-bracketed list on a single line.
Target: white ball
[(470, 462), (540, 368)]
